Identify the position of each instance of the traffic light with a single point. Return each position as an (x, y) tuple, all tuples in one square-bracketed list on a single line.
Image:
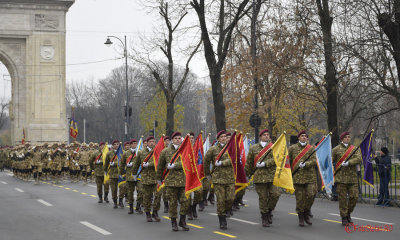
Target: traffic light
[(129, 111)]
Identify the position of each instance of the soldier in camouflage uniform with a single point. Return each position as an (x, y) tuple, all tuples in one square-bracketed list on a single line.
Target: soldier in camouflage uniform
[(37, 165), (263, 167), (167, 141), (74, 167), (56, 156), (222, 177), (96, 164), (84, 156), (303, 164), (111, 168), (346, 176), (151, 198), (197, 195), (175, 182), (122, 186)]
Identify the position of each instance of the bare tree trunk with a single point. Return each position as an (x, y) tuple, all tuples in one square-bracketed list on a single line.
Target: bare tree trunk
[(170, 117), (330, 75)]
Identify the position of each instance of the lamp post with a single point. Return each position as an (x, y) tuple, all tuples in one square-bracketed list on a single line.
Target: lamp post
[(108, 43)]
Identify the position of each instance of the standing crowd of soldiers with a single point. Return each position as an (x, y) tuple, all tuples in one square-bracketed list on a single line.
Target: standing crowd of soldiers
[(81, 162)]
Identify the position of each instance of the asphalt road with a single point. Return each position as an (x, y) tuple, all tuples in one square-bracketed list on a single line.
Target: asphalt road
[(71, 211)]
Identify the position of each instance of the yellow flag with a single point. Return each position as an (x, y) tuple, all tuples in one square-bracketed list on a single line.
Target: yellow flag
[(283, 174), (103, 156)]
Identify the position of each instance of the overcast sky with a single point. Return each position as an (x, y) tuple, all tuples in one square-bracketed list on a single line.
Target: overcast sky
[(88, 24)]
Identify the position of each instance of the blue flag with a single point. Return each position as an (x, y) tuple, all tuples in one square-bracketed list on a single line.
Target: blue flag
[(366, 151), (324, 161), (121, 179), (139, 148)]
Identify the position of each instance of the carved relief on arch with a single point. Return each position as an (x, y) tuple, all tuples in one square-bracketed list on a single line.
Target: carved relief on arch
[(46, 22)]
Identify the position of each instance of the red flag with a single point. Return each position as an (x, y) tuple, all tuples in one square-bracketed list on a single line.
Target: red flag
[(23, 136), (157, 151), (241, 150), (199, 155)]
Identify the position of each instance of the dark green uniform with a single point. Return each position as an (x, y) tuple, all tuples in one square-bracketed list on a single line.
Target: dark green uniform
[(130, 179), (111, 167), (346, 180), (96, 164)]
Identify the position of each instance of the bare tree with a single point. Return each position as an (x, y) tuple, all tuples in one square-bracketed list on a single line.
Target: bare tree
[(3, 113)]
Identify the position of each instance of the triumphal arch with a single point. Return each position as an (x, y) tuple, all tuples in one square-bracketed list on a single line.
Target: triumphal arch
[(32, 47)]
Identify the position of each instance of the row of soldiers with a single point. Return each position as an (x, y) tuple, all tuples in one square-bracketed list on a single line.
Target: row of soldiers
[(143, 177)]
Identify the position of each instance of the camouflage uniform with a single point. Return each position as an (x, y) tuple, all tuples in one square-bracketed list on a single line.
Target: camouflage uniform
[(268, 194), (37, 166), (112, 171), (97, 167), (151, 198), (222, 178), (84, 164), (346, 180)]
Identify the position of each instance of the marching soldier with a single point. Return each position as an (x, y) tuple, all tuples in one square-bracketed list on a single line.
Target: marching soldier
[(164, 194), (128, 164), (96, 164), (123, 185), (197, 196), (303, 163), (222, 177), (174, 182), (151, 198), (345, 161), (37, 166), (111, 168)]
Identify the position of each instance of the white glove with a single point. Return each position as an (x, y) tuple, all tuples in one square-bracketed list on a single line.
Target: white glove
[(134, 178), (145, 164), (76, 164), (302, 164), (67, 158), (159, 182), (129, 164), (75, 152), (171, 165), (345, 164), (209, 178), (218, 163), (98, 161), (260, 164), (111, 163)]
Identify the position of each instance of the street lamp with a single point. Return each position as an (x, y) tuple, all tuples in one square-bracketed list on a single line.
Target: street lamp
[(108, 43)]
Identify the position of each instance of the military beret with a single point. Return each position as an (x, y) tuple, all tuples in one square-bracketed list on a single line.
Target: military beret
[(166, 138), (220, 133), (126, 143), (344, 134), (191, 134), (176, 134), (150, 138), (101, 143), (115, 141), (302, 132), (133, 141), (263, 131), (228, 134)]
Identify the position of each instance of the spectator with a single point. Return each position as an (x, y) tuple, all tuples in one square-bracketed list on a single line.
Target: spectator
[(384, 164)]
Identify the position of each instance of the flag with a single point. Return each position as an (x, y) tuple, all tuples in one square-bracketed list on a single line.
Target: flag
[(246, 143), (238, 159), (119, 153), (206, 144), (366, 152), (73, 127), (283, 174), (199, 155), (188, 159), (23, 136), (103, 156), (324, 161), (157, 151), (139, 147)]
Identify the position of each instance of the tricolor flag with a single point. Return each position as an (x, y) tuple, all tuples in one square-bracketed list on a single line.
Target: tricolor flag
[(206, 144), (366, 151), (283, 174), (73, 128), (103, 156), (199, 154), (246, 145), (139, 147), (23, 136), (324, 162)]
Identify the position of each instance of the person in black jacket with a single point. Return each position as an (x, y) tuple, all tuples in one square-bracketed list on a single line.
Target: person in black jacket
[(384, 164)]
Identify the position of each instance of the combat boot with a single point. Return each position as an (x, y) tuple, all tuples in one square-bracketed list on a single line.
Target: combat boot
[(264, 218), (100, 199), (225, 222), (174, 225), (349, 220), (240, 200), (345, 221), (148, 217), (211, 198), (121, 204), (130, 208), (194, 211), (269, 216), (301, 219), (307, 217), (166, 207), (189, 213), (106, 197), (205, 199), (235, 206), (221, 222), (201, 206), (115, 203), (182, 223), (155, 216), (138, 208)]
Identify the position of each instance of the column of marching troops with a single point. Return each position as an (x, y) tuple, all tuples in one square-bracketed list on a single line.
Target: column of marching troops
[(85, 162)]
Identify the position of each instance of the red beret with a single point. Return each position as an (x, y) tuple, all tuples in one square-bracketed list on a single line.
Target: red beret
[(176, 134), (263, 131), (166, 138), (145, 140), (101, 143), (220, 133), (133, 141), (228, 134), (126, 143), (302, 132), (150, 138), (191, 134), (115, 141), (344, 134)]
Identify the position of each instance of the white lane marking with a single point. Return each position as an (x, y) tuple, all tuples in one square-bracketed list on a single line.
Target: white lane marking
[(19, 190), (243, 221), (213, 214), (92, 186), (245, 200), (96, 228), (3, 182), (44, 202), (364, 219), (10, 174)]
